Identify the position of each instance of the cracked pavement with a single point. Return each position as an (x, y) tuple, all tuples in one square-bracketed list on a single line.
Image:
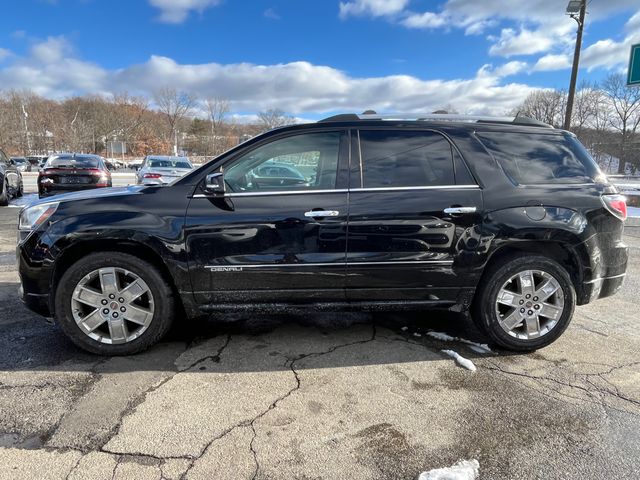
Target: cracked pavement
[(329, 396)]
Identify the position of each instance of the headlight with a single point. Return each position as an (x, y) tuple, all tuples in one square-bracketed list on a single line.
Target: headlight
[(34, 216)]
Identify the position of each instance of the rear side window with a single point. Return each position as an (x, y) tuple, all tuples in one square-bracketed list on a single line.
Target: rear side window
[(531, 159), (405, 159)]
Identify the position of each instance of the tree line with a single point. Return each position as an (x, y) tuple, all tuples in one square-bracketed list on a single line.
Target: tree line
[(169, 123), (606, 119)]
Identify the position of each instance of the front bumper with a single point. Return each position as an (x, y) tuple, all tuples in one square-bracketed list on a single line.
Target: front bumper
[(36, 302)]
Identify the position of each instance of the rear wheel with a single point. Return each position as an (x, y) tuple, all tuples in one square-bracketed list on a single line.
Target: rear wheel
[(525, 302), (114, 304)]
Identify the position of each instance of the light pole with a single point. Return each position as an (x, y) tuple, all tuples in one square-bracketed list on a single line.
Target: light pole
[(577, 10)]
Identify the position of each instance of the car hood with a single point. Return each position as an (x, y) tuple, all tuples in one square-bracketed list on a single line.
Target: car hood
[(93, 193)]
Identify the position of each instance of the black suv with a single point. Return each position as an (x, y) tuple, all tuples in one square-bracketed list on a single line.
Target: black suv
[(509, 219)]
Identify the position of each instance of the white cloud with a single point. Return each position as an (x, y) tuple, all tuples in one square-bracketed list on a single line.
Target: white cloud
[(177, 11), (425, 20), (4, 53), (271, 14), (524, 42), (373, 8), (552, 62), (52, 50), (529, 27), (300, 88)]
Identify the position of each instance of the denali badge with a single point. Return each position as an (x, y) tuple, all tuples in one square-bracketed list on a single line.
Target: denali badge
[(224, 269)]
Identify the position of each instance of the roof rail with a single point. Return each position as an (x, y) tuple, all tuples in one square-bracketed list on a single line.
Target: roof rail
[(438, 117)]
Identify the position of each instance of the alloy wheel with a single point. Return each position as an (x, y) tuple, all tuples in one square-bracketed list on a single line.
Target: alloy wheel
[(112, 305), (529, 304)]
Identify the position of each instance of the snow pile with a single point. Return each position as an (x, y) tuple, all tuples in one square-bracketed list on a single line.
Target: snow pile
[(460, 360), (476, 347), (463, 470)]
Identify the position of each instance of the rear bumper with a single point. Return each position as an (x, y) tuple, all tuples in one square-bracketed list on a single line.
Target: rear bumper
[(606, 274)]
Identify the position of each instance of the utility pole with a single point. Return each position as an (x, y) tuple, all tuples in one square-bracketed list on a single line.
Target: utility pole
[(577, 10)]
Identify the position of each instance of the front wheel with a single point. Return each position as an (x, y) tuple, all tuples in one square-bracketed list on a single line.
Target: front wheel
[(525, 302), (114, 304)]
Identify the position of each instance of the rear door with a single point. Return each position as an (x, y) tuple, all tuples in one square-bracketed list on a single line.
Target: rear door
[(278, 234), (413, 208)]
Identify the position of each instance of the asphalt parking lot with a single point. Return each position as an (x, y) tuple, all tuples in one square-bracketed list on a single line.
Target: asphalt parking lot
[(333, 396)]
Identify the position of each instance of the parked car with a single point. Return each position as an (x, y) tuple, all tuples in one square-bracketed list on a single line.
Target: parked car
[(20, 163), (70, 172), (37, 161), (135, 164), (510, 220), (10, 180), (161, 170)]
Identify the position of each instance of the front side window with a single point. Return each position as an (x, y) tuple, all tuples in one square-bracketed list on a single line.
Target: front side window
[(301, 162), (405, 159)]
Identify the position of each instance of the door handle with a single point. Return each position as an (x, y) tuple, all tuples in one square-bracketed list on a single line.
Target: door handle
[(321, 213), (457, 210)]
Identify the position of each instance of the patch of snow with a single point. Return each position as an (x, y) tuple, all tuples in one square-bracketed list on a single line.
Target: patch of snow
[(476, 347), (416, 334), (463, 470), (460, 360), (404, 329)]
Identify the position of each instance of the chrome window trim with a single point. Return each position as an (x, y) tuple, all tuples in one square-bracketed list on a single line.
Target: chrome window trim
[(330, 264), (430, 187), (341, 190)]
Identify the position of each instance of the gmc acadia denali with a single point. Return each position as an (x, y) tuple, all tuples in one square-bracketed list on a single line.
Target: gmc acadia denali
[(508, 219)]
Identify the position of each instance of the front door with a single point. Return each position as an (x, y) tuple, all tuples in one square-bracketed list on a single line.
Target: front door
[(413, 210), (279, 232)]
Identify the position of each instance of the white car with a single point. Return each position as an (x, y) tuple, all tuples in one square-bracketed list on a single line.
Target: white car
[(161, 170)]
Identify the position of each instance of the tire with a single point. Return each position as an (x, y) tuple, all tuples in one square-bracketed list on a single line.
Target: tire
[(20, 191), (156, 305), (4, 194), (494, 312)]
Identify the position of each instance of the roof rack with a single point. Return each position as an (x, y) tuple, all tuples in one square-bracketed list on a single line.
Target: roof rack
[(438, 117)]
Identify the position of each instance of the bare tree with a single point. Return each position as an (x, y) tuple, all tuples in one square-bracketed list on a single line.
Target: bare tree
[(274, 118), (218, 109), (175, 105), (545, 105), (625, 103)]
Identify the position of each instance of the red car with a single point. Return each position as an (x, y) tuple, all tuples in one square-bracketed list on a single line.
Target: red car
[(71, 172)]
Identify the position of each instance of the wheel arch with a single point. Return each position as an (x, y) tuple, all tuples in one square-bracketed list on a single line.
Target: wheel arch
[(75, 252), (565, 254)]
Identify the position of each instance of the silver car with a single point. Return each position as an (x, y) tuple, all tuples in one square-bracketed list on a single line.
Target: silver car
[(161, 170)]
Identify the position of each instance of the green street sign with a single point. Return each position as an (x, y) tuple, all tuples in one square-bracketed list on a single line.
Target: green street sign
[(634, 66)]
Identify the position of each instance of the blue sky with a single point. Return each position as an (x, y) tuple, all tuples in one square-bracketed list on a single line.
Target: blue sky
[(311, 57)]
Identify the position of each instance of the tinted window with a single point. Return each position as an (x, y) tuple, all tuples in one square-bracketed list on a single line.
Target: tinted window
[(405, 159), (168, 163), (539, 158), (73, 162), (301, 162)]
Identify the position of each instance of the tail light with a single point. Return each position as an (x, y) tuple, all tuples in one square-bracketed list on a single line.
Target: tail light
[(616, 204), (152, 175)]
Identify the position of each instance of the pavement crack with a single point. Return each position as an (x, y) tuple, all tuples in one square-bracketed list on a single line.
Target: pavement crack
[(250, 423)]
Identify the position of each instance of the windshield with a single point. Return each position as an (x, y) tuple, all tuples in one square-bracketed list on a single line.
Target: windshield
[(157, 163), (73, 162), (19, 160)]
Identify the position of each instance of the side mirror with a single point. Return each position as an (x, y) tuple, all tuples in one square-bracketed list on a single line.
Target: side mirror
[(214, 183)]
